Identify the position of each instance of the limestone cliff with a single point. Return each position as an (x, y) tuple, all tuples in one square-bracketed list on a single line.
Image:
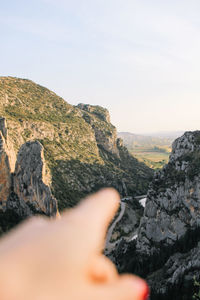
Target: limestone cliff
[(173, 201), (24, 182), (99, 119), (167, 249), (80, 143), (30, 181), (5, 174)]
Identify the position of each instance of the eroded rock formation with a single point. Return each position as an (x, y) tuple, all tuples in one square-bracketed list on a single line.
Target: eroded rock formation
[(167, 251), (99, 119), (5, 174), (29, 180), (24, 182), (173, 202)]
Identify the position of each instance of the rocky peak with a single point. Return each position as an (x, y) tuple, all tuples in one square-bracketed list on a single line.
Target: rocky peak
[(186, 144), (99, 112), (29, 179), (99, 119)]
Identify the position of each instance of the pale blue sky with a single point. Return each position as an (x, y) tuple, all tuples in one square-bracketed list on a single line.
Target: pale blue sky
[(138, 58)]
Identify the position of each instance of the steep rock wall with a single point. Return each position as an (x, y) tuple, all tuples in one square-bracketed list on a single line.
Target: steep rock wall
[(24, 182), (29, 180), (166, 250)]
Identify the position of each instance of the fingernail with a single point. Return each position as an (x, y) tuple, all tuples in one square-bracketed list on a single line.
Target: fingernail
[(141, 288), (146, 293)]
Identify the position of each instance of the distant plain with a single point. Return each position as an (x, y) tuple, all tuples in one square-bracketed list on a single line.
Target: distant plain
[(153, 150)]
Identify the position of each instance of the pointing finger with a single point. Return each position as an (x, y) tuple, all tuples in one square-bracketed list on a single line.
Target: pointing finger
[(93, 216)]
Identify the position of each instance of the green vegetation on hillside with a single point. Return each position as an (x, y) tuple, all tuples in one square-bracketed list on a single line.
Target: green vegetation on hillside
[(80, 143)]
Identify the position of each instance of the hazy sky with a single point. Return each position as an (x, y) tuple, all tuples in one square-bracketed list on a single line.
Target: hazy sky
[(138, 58)]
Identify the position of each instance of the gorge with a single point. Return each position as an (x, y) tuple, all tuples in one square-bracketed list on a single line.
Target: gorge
[(52, 154)]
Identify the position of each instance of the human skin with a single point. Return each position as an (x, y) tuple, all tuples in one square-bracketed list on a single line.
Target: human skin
[(62, 259)]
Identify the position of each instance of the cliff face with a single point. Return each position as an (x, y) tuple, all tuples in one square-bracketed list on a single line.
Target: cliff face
[(167, 249), (24, 182), (105, 133), (80, 144), (30, 181), (5, 174), (173, 202)]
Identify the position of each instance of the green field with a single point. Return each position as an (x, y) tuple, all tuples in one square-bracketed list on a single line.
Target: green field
[(153, 159), (153, 151)]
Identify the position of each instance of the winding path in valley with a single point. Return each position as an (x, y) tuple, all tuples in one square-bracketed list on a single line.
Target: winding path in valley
[(110, 231), (110, 245)]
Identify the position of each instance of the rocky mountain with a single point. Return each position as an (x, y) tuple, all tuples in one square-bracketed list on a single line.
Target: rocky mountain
[(79, 144), (166, 251)]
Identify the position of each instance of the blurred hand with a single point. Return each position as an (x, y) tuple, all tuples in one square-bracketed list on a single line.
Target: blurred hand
[(62, 259)]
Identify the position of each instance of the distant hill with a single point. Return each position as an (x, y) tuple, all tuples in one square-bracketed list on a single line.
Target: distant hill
[(132, 140), (152, 150), (167, 134)]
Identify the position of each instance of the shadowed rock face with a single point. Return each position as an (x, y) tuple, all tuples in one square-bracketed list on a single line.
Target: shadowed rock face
[(167, 249), (28, 180), (3, 127), (175, 280)]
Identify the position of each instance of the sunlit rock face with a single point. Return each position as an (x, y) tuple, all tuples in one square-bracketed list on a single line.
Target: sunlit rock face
[(99, 119), (173, 201), (29, 180), (24, 182), (166, 251), (5, 174)]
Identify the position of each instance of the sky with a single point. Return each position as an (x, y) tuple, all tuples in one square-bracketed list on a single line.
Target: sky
[(138, 58)]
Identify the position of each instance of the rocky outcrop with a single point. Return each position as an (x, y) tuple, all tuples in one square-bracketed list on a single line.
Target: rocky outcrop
[(24, 183), (99, 119), (7, 164), (173, 201), (29, 181), (177, 278), (98, 111), (5, 174), (166, 250), (3, 127)]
